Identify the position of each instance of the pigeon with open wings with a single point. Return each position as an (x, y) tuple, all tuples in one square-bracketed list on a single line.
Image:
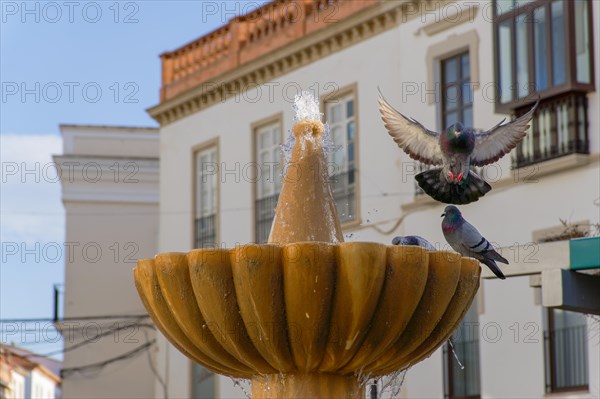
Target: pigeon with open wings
[(455, 151)]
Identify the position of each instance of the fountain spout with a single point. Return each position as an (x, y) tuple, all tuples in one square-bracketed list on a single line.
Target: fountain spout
[(306, 210)]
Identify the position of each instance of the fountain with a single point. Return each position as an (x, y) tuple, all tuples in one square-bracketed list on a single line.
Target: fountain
[(307, 315)]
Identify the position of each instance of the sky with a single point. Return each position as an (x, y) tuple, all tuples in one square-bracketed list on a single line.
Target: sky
[(90, 62)]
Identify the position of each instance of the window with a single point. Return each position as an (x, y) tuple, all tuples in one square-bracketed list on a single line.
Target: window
[(463, 382), (457, 95), (457, 98), (566, 351), (206, 198), (340, 114), (541, 46), (268, 178), (203, 383)]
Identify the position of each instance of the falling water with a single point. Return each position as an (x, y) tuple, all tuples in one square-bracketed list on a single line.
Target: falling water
[(392, 383), (243, 384), (362, 378), (455, 355)]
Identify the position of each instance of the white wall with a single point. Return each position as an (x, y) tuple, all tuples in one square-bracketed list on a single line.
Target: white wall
[(506, 215), (110, 224), (17, 385), (42, 387)]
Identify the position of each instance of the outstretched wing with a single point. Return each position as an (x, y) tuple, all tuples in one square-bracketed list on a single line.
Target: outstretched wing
[(493, 144), (417, 141)]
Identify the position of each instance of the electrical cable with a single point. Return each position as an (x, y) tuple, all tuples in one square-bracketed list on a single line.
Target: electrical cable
[(155, 372), (90, 340), (48, 320), (100, 365)]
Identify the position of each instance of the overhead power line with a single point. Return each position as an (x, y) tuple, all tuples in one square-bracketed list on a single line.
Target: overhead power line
[(91, 340), (80, 318), (100, 365)]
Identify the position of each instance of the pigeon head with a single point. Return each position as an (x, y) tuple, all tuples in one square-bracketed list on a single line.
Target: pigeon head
[(452, 219), (458, 140), (451, 212), (458, 128), (455, 130), (409, 240)]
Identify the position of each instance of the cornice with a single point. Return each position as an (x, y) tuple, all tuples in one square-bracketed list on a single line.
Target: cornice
[(108, 179), (336, 37)]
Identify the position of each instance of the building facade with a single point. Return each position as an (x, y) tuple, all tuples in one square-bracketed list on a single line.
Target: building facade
[(109, 180), (23, 374), (226, 108)]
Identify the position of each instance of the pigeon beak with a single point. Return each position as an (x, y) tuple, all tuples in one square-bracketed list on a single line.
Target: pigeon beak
[(443, 214)]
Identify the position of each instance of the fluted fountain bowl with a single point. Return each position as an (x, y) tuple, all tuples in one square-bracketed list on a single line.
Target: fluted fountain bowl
[(283, 315)]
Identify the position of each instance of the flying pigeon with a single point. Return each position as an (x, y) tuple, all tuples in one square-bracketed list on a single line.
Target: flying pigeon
[(456, 150), (413, 240), (466, 240)]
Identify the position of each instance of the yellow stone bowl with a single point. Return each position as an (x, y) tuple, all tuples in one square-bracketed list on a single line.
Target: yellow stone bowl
[(307, 308)]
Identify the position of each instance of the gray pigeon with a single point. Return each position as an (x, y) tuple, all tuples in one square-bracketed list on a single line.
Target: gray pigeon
[(455, 151), (413, 240), (466, 240)]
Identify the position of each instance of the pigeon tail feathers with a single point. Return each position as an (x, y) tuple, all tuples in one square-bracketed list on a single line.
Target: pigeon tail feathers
[(493, 267), (439, 189), (496, 256)]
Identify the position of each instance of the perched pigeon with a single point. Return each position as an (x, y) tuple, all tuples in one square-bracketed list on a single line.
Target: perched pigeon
[(456, 150), (465, 239), (413, 240)]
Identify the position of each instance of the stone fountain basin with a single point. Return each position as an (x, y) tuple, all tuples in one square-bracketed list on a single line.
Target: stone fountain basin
[(307, 308)]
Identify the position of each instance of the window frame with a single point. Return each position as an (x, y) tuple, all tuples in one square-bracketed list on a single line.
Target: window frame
[(571, 83), (444, 85), (213, 143), (439, 64), (255, 127), (328, 98)]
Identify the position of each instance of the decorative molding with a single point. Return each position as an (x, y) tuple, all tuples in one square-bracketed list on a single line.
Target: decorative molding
[(97, 179), (454, 44), (462, 15), (553, 166)]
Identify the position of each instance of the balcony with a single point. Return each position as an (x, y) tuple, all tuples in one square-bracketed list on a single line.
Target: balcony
[(248, 37), (559, 127)]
